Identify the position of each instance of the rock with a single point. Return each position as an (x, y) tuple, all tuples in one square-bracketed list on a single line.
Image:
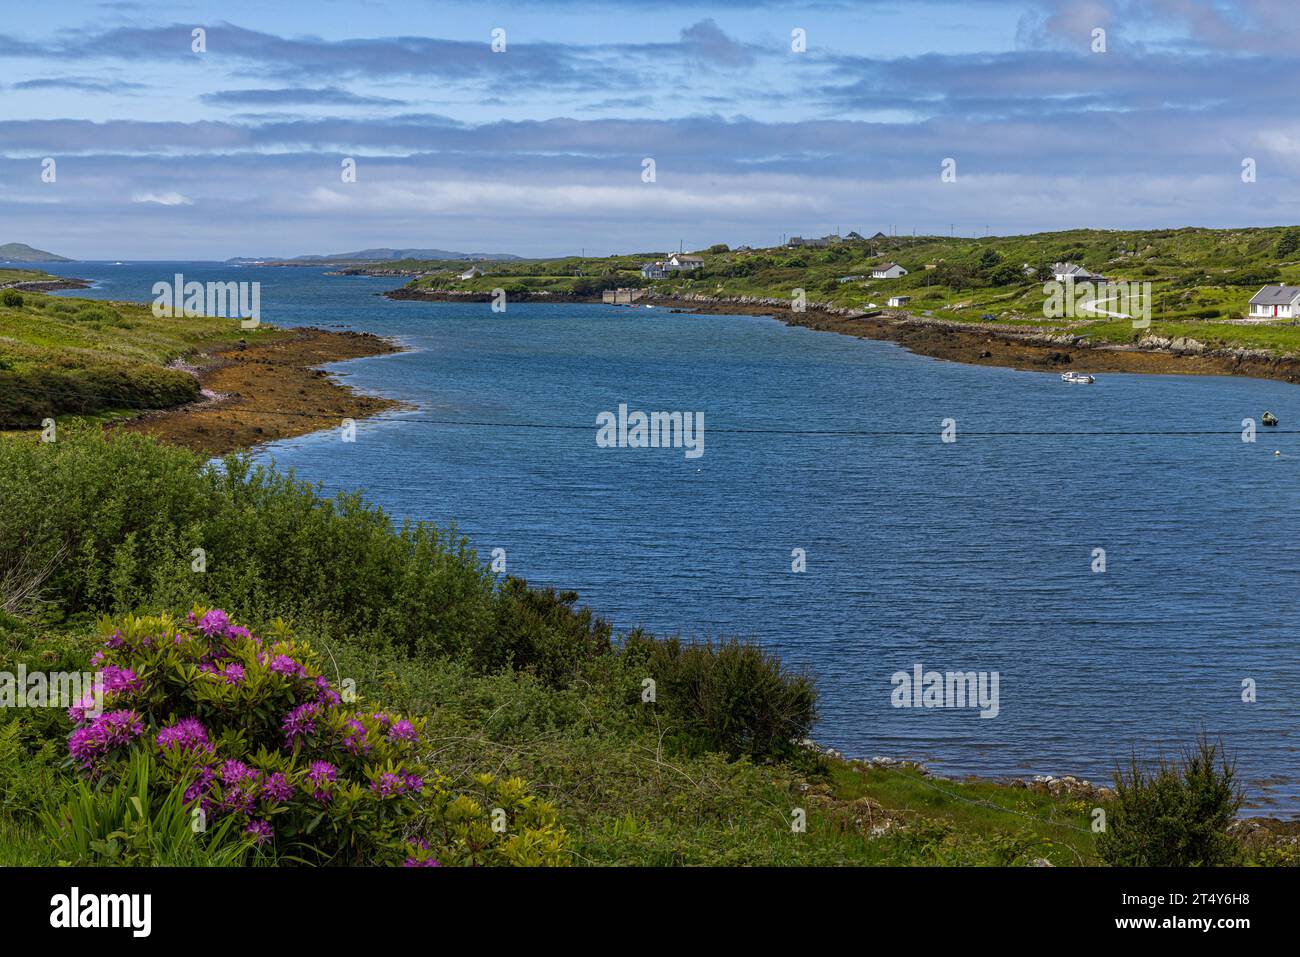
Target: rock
[(1041, 862), (1186, 346)]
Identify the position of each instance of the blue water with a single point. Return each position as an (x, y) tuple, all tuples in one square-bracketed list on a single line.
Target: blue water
[(971, 556)]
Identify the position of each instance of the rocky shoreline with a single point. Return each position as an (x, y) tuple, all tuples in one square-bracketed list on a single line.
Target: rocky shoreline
[(990, 344), (268, 391), (48, 285)]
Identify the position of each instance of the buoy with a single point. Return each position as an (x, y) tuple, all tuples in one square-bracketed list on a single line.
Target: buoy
[(1276, 452)]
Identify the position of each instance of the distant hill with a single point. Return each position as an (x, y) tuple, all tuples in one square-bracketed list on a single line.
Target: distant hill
[(22, 253), (381, 255)]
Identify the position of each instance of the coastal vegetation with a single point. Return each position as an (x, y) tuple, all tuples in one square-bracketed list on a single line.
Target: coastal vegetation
[(232, 605), (90, 358), (1200, 278)]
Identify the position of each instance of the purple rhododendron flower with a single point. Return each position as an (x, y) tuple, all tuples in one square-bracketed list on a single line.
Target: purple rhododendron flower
[(322, 775), (326, 695), (238, 631), (233, 673), (300, 721), (355, 740), (427, 862), (185, 735), (240, 784), (110, 730), (413, 782), (388, 784), (199, 787), (277, 787), (260, 830), (284, 665), (214, 623), (402, 730)]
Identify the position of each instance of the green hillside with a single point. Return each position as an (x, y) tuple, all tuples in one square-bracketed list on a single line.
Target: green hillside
[(22, 253)]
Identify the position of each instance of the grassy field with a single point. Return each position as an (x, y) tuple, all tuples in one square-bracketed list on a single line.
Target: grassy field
[(64, 356), (9, 276), (1201, 279)]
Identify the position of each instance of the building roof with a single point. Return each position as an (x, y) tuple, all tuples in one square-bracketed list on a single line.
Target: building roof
[(1275, 296), (885, 268), (1069, 269)]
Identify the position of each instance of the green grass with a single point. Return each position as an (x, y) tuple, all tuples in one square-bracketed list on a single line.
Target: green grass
[(77, 357), (8, 276)]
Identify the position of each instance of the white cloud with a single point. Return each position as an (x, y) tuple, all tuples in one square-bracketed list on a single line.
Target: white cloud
[(163, 199)]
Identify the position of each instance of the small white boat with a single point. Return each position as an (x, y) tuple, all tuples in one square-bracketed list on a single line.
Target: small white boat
[(1077, 377)]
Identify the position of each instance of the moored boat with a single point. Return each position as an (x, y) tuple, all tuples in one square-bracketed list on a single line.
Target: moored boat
[(1077, 377)]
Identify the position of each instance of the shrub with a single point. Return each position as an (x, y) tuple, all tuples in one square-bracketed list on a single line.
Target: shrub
[(732, 697), (250, 730), (540, 631), (11, 298), (1176, 814), (96, 313)]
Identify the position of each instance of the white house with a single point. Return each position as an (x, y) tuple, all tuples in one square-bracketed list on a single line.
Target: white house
[(1276, 302), (899, 300), (679, 261), (888, 271), (471, 273), (1069, 272)]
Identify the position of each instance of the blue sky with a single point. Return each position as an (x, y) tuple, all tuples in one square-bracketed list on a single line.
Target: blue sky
[(538, 150)]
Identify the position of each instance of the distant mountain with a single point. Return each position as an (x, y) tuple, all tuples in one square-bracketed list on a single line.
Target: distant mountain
[(380, 255), (22, 253)]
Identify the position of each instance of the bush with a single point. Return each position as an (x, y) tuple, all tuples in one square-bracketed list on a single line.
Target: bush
[(248, 729), (121, 515), (1176, 814), (11, 298), (540, 631), (732, 697)]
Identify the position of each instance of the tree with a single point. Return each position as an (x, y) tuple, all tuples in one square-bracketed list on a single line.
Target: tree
[(1289, 243)]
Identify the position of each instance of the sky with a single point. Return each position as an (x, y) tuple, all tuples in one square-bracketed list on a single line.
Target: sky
[(927, 116)]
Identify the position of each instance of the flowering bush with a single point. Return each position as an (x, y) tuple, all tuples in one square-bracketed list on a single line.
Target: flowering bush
[(249, 726)]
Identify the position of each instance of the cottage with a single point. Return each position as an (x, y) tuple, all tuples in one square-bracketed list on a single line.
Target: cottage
[(685, 263), (897, 301), (1069, 272), (653, 270), (888, 271), (1276, 302), (853, 278), (472, 273)]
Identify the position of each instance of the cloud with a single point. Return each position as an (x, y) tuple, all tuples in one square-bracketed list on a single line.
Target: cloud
[(302, 96), (706, 42), (162, 199), (82, 84)]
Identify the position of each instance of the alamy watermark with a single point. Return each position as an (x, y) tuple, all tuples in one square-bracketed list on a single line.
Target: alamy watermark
[(53, 689), (227, 300), (651, 430), (952, 689), (1068, 299)]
